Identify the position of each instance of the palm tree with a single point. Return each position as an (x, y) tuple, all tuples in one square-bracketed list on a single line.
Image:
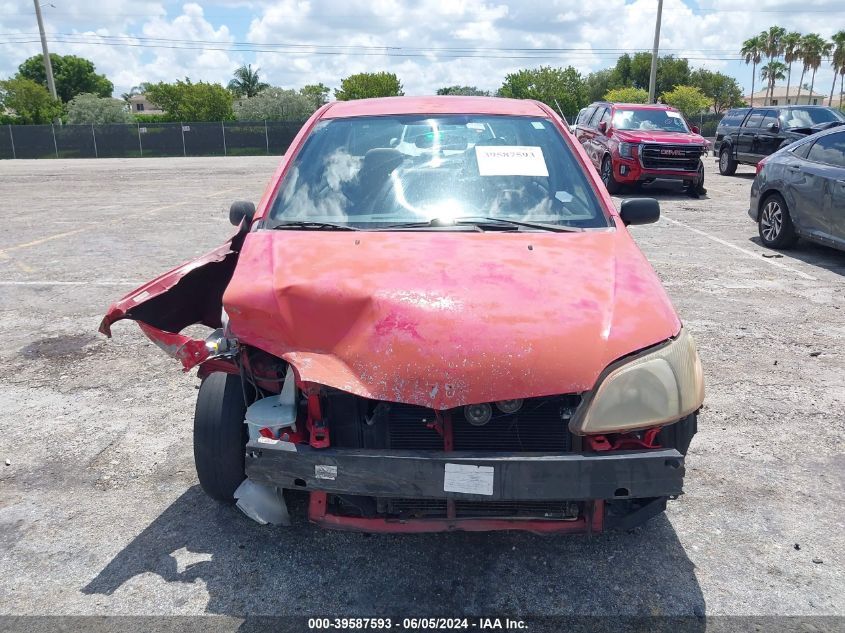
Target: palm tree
[(791, 53), (815, 48), (752, 50), (773, 72), (246, 82), (838, 62), (133, 91), (772, 47)]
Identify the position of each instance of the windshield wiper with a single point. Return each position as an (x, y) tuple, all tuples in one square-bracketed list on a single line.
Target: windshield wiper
[(313, 225), (560, 228), (484, 223)]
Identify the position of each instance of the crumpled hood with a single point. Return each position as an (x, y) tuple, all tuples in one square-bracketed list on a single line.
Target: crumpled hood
[(645, 136), (443, 319)]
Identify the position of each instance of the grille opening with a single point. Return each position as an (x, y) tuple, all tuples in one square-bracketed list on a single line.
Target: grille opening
[(674, 157), (400, 508), (541, 425)]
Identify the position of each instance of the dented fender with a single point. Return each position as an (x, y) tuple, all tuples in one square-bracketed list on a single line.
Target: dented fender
[(189, 294)]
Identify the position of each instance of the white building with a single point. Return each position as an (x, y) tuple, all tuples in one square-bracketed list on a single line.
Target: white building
[(779, 97)]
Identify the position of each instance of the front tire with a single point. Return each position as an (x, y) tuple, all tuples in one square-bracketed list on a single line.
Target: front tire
[(220, 435), (727, 165), (775, 223), (612, 185)]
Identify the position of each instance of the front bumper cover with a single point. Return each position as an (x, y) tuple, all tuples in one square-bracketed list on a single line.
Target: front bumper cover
[(422, 474)]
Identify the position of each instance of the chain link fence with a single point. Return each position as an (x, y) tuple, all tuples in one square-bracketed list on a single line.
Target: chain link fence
[(226, 138)]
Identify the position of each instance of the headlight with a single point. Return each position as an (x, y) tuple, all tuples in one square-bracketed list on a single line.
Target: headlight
[(652, 389), (626, 150)]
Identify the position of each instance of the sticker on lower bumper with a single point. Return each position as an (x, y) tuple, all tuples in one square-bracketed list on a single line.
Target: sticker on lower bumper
[(476, 480), (325, 472)]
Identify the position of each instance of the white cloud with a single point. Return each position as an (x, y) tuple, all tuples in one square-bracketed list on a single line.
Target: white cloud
[(591, 34)]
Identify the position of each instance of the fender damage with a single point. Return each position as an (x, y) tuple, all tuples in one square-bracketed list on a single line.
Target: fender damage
[(189, 294)]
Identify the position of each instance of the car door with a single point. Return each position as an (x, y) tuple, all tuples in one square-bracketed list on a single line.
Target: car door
[(828, 153), (769, 137), (602, 139), (590, 134), (583, 132), (747, 136)]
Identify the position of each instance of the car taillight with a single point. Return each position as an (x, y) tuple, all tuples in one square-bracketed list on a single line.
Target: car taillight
[(761, 164)]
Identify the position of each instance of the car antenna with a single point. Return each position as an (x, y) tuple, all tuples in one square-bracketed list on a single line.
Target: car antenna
[(562, 115)]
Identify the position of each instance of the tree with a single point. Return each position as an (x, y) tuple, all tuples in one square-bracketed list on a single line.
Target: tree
[(563, 87), (671, 71), (275, 104), (837, 60), (600, 82), (772, 73), (627, 95), (772, 47), (752, 51), (688, 99), (465, 91), (187, 101), (814, 48), (724, 92), (791, 53), (29, 100), (368, 85), (318, 93), (133, 91), (246, 82), (72, 75), (88, 108)]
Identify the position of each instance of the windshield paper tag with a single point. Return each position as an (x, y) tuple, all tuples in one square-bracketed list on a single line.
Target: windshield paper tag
[(674, 115), (476, 480), (510, 160)]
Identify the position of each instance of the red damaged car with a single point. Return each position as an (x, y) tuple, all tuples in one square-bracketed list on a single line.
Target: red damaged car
[(451, 331), (634, 144)]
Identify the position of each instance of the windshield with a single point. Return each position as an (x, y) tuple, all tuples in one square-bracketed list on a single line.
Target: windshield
[(374, 172), (808, 117), (659, 120)]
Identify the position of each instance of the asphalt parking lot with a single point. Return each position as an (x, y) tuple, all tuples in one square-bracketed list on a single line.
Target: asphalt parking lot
[(101, 513)]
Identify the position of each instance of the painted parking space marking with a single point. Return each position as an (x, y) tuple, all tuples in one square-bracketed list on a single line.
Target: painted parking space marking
[(744, 251)]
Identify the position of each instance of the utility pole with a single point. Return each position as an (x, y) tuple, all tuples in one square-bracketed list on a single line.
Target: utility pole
[(48, 66), (652, 80)]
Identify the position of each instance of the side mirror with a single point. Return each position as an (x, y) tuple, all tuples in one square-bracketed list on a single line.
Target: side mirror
[(695, 129), (774, 127), (394, 142), (242, 210), (603, 127), (639, 211)]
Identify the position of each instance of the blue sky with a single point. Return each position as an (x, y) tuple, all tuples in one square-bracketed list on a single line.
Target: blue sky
[(428, 43)]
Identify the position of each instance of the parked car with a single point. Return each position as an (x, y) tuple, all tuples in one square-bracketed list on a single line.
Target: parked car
[(799, 191), (746, 135), (638, 144), (465, 341)]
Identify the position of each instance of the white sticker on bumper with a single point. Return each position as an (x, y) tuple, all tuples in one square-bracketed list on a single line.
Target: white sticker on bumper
[(476, 480), (325, 472)]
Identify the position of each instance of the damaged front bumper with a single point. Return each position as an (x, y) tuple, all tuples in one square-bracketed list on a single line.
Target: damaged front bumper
[(590, 479)]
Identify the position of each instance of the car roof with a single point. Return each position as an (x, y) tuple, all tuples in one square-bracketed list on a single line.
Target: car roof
[(636, 106), (434, 105)]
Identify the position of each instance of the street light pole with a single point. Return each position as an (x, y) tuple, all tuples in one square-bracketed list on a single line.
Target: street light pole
[(652, 79), (48, 66)]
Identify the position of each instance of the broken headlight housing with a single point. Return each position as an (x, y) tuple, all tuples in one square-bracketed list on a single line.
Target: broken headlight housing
[(653, 388)]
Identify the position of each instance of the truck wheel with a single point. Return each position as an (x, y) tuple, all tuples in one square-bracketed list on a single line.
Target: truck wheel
[(727, 165), (607, 176), (775, 224), (220, 435)]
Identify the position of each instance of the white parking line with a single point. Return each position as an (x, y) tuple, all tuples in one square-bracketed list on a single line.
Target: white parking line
[(755, 256)]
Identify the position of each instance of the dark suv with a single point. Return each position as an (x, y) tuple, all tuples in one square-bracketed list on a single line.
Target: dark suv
[(747, 135)]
